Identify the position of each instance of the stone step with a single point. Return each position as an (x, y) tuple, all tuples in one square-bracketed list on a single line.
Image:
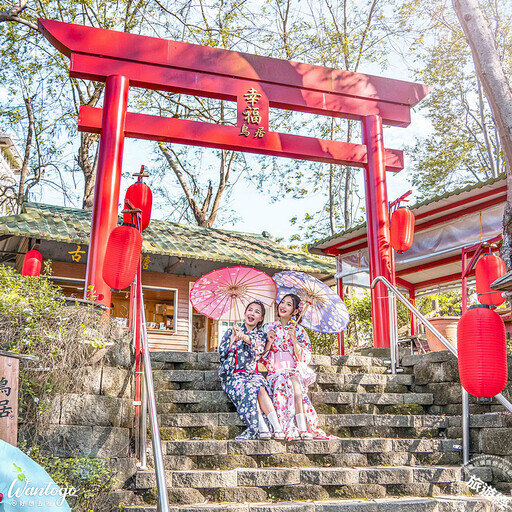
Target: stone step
[(363, 382), (310, 446), (218, 454), (376, 481), (402, 504), (333, 420), (438, 504), (326, 402), (271, 484), (210, 361), (228, 425), (194, 396)]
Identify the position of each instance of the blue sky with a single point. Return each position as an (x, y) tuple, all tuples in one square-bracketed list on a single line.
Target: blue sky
[(255, 210)]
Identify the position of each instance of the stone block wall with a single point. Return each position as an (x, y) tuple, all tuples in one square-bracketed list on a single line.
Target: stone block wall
[(490, 423), (97, 419)]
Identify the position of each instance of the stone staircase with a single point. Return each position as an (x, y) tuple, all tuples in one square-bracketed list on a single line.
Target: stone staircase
[(392, 453)]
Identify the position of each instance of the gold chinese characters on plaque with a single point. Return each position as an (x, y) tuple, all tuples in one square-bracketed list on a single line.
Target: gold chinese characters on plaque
[(252, 115), (146, 260), (77, 254)]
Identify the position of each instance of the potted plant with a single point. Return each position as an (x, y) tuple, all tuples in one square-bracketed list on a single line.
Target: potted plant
[(446, 311)]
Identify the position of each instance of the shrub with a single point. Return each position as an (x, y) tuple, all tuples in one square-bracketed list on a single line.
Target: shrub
[(91, 477), (35, 320)]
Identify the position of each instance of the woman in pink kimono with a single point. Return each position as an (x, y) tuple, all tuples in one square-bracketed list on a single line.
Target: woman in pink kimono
[(286, 356)]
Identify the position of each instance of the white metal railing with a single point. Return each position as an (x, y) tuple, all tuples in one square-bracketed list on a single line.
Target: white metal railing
[(148, 399), (395, 293)]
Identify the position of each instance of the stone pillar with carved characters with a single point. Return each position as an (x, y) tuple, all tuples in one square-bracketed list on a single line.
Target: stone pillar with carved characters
[(9, 374)]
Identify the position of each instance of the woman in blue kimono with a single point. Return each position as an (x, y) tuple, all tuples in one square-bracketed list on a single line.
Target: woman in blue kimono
[(239, 350)]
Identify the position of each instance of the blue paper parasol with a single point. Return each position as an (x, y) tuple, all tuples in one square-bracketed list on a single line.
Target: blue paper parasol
[(322, 309)]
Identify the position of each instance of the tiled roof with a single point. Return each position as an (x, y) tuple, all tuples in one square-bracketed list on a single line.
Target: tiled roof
[(72, 225)]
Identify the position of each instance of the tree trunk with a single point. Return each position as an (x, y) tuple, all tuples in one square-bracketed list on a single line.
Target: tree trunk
[(88, 168), (497, 89), (26, 157)]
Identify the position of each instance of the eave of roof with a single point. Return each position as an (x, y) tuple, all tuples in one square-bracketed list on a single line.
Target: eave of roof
[(11, 152), (361, 228), (72, 225)]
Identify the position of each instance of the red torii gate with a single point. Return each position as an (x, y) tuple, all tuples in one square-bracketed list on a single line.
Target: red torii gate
[(256, 83)]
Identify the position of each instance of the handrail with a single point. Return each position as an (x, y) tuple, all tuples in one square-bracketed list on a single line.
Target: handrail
[(149, 395), (411, 308), (447, 344)]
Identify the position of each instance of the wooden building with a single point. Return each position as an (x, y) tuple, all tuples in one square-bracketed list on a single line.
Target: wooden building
[(174, 256)]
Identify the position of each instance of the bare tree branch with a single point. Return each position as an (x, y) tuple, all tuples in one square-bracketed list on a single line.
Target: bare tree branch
[(13, 14)]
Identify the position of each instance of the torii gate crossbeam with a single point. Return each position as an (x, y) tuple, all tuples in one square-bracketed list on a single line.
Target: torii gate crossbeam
[(256, 84)]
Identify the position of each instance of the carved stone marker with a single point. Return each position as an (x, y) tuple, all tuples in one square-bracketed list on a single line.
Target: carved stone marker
[(9, 373)]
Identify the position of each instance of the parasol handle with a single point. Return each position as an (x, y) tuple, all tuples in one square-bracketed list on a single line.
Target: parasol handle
[(302, 312)]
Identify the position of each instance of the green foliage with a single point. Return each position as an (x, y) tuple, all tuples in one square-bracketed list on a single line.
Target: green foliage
[(35, 320), (91, 477), (444, 304), (359, 330), (326, 344), (463, 146), (27, 304)]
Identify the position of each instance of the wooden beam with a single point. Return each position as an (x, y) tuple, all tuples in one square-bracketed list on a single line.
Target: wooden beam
[(184, 131)]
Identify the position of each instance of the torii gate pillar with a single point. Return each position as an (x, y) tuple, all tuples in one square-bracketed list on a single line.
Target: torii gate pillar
[(106, 188), (377, 222)]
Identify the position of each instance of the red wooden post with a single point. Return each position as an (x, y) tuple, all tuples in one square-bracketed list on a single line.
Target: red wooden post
[(464, 280), (9, 372), (339, 289), (106, 191), (412, 298), (377, 218), (138, 351)]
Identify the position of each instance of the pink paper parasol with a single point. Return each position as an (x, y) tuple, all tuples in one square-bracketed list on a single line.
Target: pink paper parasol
[(224, 294)]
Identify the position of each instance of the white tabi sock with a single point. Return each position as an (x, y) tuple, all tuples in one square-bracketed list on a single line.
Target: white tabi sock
[(262, 425), (274, 421), (301, 422)]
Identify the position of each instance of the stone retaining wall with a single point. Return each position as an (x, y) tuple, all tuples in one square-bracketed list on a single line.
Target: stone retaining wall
[(97, 420), (490, 424)]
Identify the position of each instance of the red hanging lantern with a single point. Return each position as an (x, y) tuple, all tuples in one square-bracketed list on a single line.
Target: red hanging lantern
[(122, 256), (489, 268), (140, 196), (402, 229), (32, 263), (482, 350)]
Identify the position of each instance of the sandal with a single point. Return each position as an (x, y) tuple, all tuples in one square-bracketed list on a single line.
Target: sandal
[(306, 435), (264, 435), (279, 435)]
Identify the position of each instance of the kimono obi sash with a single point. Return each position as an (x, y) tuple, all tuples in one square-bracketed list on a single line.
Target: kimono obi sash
[(283, 360), (241, 370)]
